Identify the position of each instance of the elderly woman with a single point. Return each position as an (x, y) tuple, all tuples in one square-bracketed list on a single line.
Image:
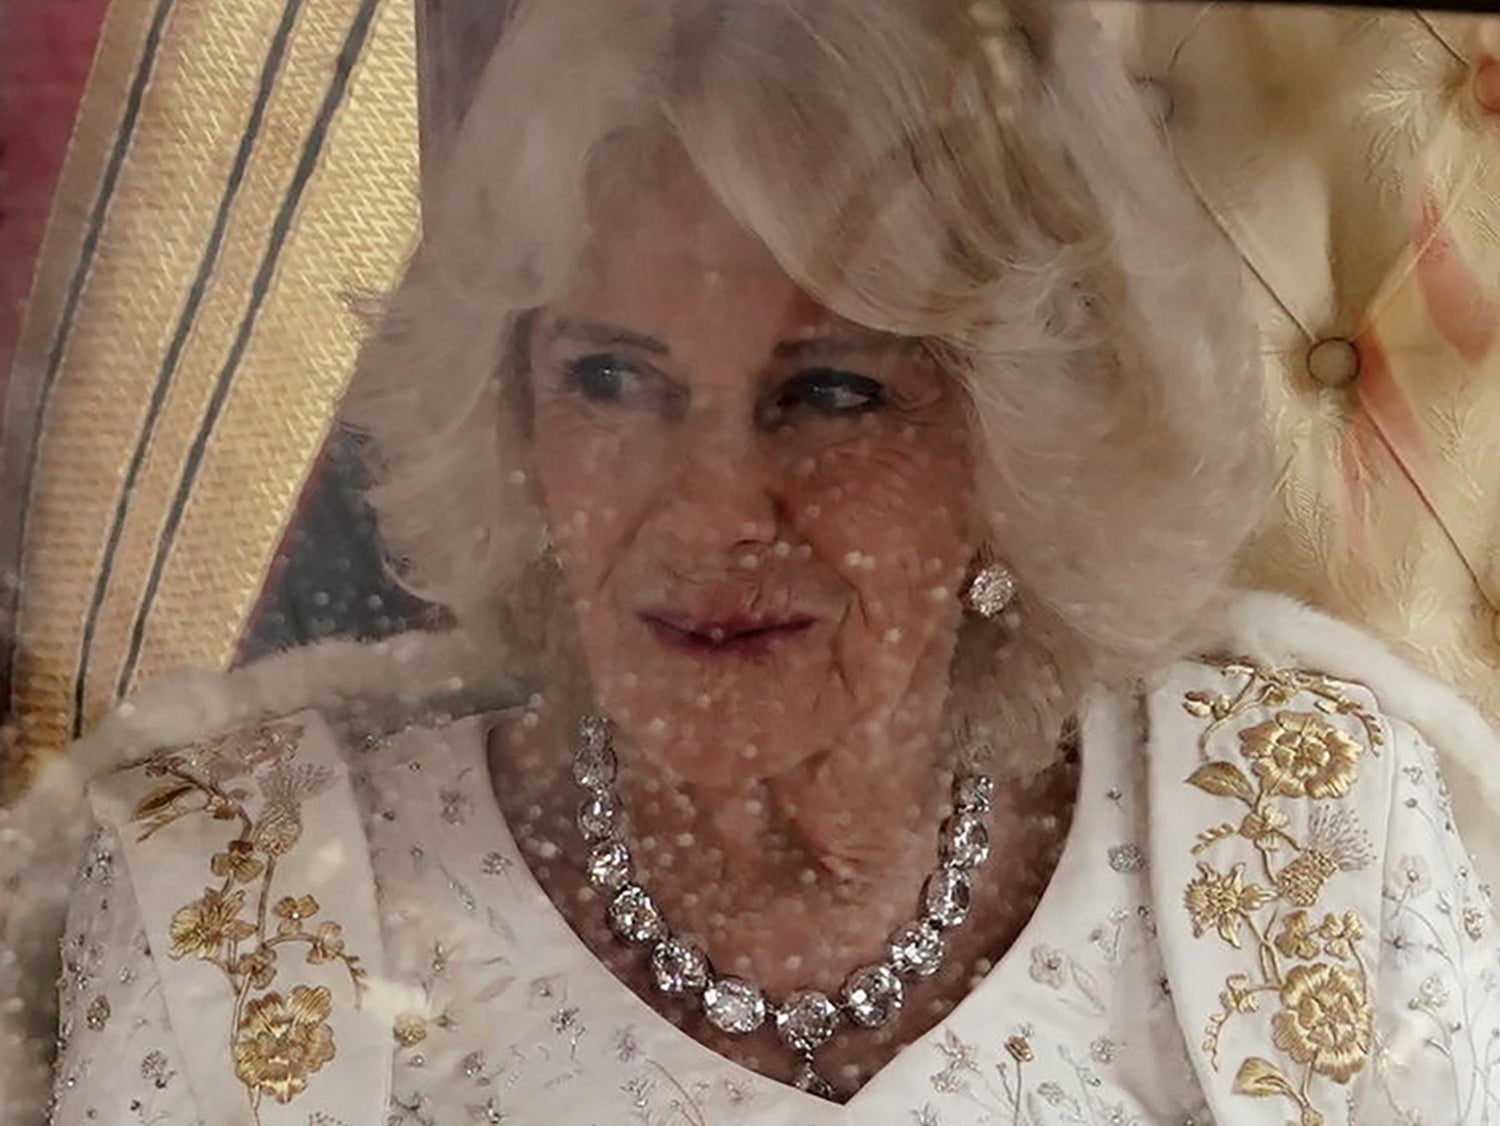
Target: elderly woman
[(829, 427)]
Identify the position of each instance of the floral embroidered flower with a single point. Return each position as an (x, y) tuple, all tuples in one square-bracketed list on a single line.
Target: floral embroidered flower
[(1296, 939), (1473, 923), (326, 945), (1103, 1050), (200, 928), (1339, 934), (293, 912), (1299, 754), (410, 1029), (1020, 1049), (98, 1013), (1432, 993), (1325, 1020), (238, 861), (1127, 858), (1265, 828), (1221, 901), (154, 1068), (1047, 966), (626, 1047), (280, 1042), (1411, 877), (1238, 996), (259, 967), (1052, 1093), (958, 1054), (456, 806), (1403, 942)]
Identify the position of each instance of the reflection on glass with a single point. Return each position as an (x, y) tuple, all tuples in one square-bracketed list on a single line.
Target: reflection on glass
[(819, 442)]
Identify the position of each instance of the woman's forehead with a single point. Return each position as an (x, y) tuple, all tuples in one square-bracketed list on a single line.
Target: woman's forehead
[(663, 209), (662, 240)]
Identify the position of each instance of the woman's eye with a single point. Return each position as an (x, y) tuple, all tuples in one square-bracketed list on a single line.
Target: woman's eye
[(601, 379), (832, 393)]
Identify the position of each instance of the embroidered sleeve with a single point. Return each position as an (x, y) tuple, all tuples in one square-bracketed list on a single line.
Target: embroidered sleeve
[(1278, 884), (1438, 991), (117, 1060)]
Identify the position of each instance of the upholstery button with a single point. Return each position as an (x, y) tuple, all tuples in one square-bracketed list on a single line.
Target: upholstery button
[(1487, 85), (1333, 362), (1157, 98)]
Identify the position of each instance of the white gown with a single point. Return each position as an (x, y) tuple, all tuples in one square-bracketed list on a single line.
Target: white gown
[(1263, 915)]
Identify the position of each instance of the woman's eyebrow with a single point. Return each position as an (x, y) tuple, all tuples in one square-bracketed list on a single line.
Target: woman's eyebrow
[(836, 346), (606, 335)]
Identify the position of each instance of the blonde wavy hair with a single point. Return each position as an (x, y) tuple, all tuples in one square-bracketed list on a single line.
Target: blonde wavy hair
[(977, 175)]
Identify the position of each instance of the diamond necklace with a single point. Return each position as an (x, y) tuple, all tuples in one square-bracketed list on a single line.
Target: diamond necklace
[(806, 1020)]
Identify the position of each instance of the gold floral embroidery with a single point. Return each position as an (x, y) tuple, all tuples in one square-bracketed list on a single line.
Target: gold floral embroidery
[(1020, 1049), (279, 1040), (280, 1043), (237, 860), (1297, 939), (1325, 1020), (1298, 755), (1222, 902), (1311, 965), (208, 923), (98, 1013), (410, 1029), (1340, 934)]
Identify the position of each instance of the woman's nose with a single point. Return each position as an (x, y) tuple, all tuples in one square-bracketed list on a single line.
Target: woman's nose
[(723, 490)]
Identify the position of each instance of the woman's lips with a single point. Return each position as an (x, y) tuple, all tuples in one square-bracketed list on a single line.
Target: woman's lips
[(738, 636)]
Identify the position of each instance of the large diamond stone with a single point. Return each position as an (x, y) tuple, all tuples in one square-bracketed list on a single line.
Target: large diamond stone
[(594, 760), (966, 842), (598, 817), (609, 865), (945, 897), (807, 1020), (917, 950), (992, 590), (679, 967), (634, 916), (873, 995), (974, 792), (734, 1006)]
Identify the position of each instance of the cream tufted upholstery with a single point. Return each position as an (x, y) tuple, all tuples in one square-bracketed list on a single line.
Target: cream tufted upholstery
[(1353, 160)]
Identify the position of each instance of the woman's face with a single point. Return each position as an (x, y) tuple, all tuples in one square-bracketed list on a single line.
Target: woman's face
[(762, 511)]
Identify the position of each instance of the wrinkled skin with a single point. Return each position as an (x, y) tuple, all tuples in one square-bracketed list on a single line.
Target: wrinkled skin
[(763, 516)]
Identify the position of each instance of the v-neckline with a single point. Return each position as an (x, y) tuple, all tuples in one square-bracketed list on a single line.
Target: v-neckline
[(554, 928)]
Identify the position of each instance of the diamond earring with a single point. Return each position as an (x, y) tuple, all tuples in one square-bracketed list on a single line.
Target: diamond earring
[(991, 589)]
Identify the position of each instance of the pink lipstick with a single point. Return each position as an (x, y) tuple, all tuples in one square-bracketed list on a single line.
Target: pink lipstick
[(740, 635)]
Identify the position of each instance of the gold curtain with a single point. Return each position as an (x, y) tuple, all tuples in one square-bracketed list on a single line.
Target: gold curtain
[(238, 171)]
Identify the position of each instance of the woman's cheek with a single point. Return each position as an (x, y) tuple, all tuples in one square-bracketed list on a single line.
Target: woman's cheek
[(583, 468), (885, 511)]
